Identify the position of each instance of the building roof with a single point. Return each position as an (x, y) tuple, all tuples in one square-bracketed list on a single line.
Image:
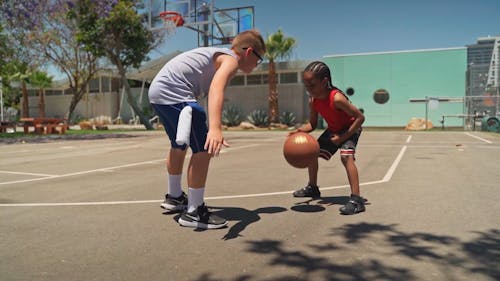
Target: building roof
[(395, 52), (148, 70)]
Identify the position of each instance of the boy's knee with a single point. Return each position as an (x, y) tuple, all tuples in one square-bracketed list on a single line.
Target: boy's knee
[(346, 158)]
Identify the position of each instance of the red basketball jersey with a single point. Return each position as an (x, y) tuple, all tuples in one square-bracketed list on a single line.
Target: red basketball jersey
[(337, 120)]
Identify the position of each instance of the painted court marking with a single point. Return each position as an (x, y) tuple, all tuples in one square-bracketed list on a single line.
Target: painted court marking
[(387, 177), (78, 173), (23, 173), (479, 138), (106, 169)]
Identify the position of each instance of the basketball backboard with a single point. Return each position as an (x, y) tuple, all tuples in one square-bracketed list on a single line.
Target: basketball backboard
[(214, 26)]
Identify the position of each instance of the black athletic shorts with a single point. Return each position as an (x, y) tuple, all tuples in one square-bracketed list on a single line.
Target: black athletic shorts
[(328, 148)]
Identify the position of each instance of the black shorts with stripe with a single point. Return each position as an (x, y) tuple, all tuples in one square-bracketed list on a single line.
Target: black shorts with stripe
[(328, 148)]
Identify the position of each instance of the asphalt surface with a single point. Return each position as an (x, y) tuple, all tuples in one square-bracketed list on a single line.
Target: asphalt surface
[(89, 210)]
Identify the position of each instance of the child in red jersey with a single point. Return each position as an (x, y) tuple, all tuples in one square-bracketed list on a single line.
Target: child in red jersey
[(344, 128)]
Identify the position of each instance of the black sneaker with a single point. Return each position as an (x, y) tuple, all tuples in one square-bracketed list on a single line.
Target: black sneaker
[(175, 204), (355, 205), (308, 191), (202, 218)]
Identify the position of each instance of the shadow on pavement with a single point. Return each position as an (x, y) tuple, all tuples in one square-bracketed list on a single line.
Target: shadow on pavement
[(477, 258)]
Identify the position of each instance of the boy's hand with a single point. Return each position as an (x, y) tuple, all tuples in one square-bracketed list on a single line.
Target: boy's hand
[(214, 142)]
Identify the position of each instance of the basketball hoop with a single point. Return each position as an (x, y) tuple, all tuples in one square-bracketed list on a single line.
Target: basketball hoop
[(171, 20)]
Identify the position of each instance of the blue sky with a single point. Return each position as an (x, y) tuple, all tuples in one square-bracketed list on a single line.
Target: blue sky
[(333, 27)]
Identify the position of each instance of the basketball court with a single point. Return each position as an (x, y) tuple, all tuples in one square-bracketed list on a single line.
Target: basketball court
[(89, 210)]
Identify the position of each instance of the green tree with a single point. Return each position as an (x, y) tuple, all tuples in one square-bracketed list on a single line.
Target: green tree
[(5, 54), (5, 51), (120, 36), (41, 80), (12, 69), (278, 47), (40, 31)]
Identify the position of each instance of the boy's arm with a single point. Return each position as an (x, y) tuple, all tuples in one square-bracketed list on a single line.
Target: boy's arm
[(227, 68), (342, 103)]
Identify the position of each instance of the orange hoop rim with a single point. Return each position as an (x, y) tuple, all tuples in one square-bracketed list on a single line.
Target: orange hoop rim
[(172, 16)]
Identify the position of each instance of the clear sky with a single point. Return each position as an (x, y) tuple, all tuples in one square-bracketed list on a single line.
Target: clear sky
[(334, 27)]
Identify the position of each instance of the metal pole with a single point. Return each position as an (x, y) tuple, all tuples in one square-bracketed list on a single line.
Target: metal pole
[(1, 99), (497, 113), (426, 111), (207, 28)]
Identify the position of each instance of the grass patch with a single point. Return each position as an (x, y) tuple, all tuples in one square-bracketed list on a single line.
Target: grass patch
[(69, 133), (96, 132), (12, 135)]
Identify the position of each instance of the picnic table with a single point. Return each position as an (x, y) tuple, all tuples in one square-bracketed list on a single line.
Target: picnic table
[(5, 125), (44, 126)]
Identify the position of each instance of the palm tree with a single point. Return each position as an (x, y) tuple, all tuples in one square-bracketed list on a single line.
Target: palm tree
[(41, 80), (278, 47), (21, 76)]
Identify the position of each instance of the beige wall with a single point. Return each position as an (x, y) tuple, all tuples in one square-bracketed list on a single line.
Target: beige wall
[(247, 98), (91, 105), (291, 98)]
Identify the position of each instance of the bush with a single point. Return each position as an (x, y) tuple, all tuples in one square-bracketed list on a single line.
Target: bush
[(259, 118), (231, 116), (75, 119), (287, 118)]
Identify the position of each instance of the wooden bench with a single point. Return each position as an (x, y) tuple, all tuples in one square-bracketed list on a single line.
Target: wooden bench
[(44, 125)]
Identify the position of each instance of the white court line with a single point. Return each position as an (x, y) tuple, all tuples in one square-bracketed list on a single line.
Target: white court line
[(479, 138), (107, 169), (394, 165), (236, 148), (386, 178), (79, 203), (29, 174)]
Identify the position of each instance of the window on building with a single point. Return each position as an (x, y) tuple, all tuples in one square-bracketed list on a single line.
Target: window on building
[(288, 78), (69, 91), (106, 84), (265, 78), (238, 80), (115, 84), (53, 92), (94, 85), (254, 79)]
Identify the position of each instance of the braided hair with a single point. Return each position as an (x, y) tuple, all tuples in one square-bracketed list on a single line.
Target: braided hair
[(320, 71)]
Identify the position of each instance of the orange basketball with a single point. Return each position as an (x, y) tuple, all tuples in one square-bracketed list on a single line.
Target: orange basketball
[(300, 149)]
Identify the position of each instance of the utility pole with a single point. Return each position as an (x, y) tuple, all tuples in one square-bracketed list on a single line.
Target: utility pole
[(1, 100)]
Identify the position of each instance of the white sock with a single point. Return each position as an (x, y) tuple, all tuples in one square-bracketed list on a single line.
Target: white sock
[(195, 198), (174, 185)]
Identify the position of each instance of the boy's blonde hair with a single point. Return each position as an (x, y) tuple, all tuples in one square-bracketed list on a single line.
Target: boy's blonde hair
[(249, 38)]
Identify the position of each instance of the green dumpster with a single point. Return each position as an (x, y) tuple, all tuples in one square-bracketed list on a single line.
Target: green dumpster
[(490, 124)]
